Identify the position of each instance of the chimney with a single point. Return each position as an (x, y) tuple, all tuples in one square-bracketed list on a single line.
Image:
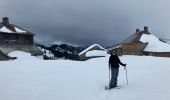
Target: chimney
[(137, 30), (5, 20), (146, 29)]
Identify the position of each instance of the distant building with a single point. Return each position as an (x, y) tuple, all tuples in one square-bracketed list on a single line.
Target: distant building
[(93, 51), (134, 46), (11, 34), (14, 38)]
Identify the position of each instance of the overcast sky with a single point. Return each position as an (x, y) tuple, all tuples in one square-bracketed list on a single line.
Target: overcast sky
[(88, 21)]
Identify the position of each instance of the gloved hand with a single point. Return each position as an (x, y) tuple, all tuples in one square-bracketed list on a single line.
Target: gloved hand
[(124, 66)]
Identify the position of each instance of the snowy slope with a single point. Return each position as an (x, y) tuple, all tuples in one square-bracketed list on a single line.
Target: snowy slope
[(60, 43), (75, 80), (154, 44), (21, 55), (46, 52)]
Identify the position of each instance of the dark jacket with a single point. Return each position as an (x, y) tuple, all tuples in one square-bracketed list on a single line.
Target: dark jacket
[(114, 61)]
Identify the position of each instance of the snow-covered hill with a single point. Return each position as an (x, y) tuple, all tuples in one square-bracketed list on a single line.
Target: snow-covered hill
[(60, 43), (61, 51), (75, 80)]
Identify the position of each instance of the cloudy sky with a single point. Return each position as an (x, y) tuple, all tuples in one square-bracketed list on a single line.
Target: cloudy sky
[(88, 21)]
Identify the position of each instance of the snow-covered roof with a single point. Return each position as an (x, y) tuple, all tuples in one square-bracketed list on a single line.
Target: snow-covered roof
[(90, 47), (4, 29), (154, 44), (96, 53), (17, 30)]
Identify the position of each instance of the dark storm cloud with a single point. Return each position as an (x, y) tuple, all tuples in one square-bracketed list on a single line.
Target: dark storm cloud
[(88, 21)]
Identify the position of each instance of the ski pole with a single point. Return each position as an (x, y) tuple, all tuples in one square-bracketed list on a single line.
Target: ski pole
[(109, 74), (126, 75)]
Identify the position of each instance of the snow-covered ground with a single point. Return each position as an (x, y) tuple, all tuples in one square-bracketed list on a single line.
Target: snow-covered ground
[(74, 80), (22, 56)]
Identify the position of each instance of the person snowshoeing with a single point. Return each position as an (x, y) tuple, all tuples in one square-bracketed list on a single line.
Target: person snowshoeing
[(114, 62)]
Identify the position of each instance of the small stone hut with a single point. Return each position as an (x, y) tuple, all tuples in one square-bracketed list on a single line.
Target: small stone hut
[(83, 56)]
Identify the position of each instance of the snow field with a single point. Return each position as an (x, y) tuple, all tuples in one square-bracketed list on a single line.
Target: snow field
[(75, 80)]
